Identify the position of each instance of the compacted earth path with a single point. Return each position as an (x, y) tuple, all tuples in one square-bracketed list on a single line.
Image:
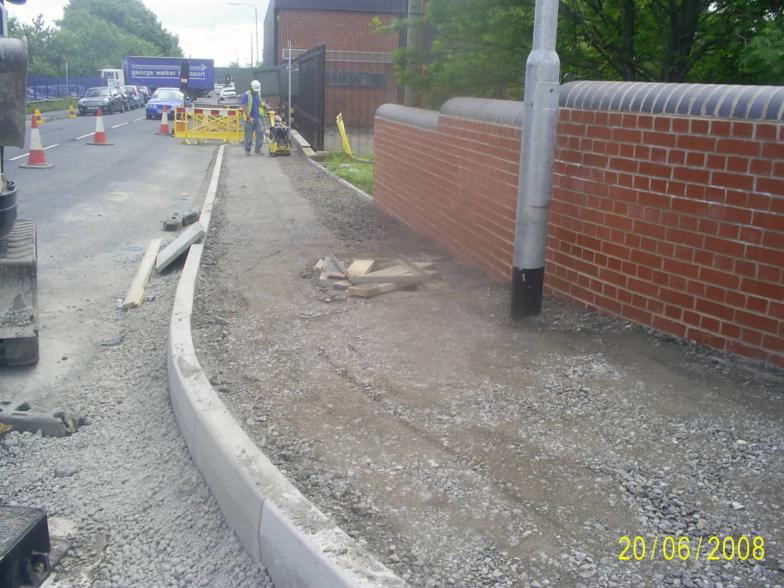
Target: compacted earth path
[(466, 450)]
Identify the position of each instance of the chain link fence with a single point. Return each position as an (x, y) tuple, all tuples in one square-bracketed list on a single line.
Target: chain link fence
[(49, 88)]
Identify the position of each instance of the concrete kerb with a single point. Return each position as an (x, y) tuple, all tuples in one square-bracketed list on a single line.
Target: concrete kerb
[(359, 192), (276, 524)]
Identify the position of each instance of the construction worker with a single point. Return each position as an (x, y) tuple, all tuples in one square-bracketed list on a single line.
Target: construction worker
[(255, 112)]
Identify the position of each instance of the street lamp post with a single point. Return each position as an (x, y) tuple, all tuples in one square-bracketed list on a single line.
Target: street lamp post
[(256, 14), (537, 155)]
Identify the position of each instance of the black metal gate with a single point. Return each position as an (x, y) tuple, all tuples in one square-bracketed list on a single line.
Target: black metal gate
[(309, 101)]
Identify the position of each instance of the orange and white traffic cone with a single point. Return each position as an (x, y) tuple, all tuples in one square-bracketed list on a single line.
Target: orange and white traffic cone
[(164, 130), (36, 159), (100, 133)]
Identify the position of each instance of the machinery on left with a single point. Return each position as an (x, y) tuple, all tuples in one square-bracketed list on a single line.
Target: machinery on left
[(18, 245)]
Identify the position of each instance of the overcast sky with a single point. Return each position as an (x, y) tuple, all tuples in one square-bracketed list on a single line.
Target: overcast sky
[(207, 30)]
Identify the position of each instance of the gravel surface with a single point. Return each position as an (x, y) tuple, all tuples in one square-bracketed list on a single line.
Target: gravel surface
[(123, 489), (465, 450)]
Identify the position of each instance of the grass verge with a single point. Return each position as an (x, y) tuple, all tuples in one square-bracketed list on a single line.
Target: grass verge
[(357, 171), (50, 105)]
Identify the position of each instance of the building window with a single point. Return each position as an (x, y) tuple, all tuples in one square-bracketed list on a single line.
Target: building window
[(357, 79)]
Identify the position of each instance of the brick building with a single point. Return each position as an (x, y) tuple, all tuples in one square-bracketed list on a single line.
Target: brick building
[(359, 61)]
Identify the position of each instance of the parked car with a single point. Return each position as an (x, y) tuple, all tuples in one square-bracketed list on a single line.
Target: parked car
[(170, 97), (134, 97), (107, 99), (145, 92), (228, 93)]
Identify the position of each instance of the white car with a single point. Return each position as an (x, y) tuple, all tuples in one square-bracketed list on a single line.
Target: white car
[(227, 94)]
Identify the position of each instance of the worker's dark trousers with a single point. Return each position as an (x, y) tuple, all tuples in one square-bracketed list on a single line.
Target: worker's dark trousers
[(250, 127)]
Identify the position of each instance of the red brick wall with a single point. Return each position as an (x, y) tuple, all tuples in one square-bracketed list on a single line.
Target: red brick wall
[(339, 31), (672, 222), (343, 31)]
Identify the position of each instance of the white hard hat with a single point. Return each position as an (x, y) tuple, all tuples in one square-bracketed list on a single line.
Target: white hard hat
[(255, 85)]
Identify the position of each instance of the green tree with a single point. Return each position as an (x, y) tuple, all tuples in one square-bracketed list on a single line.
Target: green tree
[(94, 34), (480, 46)]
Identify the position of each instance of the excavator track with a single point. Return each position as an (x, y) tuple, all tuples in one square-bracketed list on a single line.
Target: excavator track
[(19, 295)]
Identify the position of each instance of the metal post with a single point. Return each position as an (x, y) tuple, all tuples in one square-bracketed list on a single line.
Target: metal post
[(288, 122), (537, 155), (256, 13), (414, 43), (67, 92)]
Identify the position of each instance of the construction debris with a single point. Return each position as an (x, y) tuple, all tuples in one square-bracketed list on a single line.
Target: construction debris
[(179, 246), (135, 294), (177, 220), (362, 279)]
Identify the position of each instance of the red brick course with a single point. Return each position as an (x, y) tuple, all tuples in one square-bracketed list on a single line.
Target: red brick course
[(676, 223)]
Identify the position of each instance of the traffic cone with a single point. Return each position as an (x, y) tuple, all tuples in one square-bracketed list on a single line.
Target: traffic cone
[(100, 134), (36, 159), (71, 111), (164, 130), (38, 116)]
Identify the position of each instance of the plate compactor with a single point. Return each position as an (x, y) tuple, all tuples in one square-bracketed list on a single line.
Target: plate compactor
[(279, 142), (18, 247)]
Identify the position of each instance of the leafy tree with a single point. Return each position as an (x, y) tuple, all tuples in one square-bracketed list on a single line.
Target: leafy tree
[(94, 34), (480, 46)]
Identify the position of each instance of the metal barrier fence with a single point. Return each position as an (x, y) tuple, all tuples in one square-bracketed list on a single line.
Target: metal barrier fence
[(309, 103), (197, 125), (47, 87)]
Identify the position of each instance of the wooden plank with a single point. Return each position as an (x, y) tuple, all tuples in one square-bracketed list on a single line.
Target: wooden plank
[(360, 267), (401, 279), (370, 290), (396, 273), (135, 294), (319, 265), (412, 267), (341, 285), (336, 262), (179, 246)]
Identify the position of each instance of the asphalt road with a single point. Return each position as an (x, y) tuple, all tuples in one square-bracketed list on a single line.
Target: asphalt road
[(95, 210), (122, 490)]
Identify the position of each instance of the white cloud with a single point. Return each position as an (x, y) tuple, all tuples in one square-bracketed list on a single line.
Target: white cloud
[(209, 30)]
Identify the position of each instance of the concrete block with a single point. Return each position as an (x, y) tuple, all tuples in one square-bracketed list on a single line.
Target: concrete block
[(179, 246)]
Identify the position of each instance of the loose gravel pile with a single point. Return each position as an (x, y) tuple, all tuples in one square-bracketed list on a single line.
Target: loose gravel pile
[(123, 489), (465, 450)]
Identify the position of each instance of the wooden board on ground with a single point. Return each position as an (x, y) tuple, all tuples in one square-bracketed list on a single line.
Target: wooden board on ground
[(412, 267), (179, 246), (135, 294), (370, 290), (397, 274), (360, 267), (330, 267), (336, 263)]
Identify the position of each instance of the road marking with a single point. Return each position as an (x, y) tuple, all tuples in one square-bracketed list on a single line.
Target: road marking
[(140, 118), (84, 136), (26, 154), (119, 125)]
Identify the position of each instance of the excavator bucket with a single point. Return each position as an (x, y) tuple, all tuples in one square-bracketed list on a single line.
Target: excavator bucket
[(19, 296)]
